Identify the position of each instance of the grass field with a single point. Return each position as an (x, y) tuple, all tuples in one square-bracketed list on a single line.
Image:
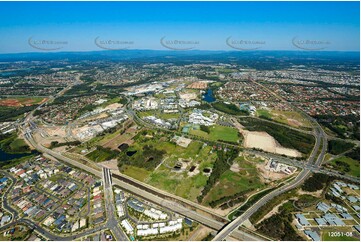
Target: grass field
[(347, 165), (218, 132), (283, 116), (168, 115), (12, 144), (264, 114), (136, 172), (158, 114), (179, 183), (234, 182), (101, 154), (146, 113)]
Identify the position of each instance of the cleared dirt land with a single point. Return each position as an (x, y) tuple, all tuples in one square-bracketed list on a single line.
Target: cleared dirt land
[(198, 85), (21, 101), (263, 141)]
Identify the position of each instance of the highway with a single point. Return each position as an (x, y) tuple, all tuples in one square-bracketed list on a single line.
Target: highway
[(314, 158), (190, 209), (171, 205), (112, 222), (303, 165)]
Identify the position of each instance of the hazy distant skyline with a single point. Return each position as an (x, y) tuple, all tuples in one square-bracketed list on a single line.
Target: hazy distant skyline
[(202, 25)]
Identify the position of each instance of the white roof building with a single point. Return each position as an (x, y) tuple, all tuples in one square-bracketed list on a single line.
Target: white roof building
[(128, 227)]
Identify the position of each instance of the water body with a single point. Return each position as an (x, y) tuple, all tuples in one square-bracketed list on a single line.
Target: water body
[(208, 96), (7, 156)]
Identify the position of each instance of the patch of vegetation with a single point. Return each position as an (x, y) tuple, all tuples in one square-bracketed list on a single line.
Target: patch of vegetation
[(316, 182), (337, 147), (136, 172), (13, 113), (209, 237), (229, 201), (11, 144), (306, 200), (340, 125), (222, 164), (347, 165), (354, 154), (250, 202), (288, 138), (233, 187), (205, 128), (218, 133), (102, 154), (279, 226), (229, 108), (55, 144), (269, 206), (147, 157), (264, 114)]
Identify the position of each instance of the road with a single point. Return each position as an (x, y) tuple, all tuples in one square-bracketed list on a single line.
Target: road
[(175, 203), (315, 158), (112, 222), (171, 205), (303, 165)]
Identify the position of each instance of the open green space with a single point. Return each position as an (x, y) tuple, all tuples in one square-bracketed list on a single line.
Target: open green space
[(235, 183), (102, 154), (136, 172), (292, 118), (143, 114), (229, 108), (347, 165), (158, 114), (262, 113), (218, 132), (13, 113), (159, 172), (10, 143)]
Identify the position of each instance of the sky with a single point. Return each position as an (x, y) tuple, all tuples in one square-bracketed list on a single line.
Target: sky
[(85, 26)]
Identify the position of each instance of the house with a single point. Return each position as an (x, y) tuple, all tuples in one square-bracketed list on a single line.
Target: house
[(313, 235), (302, 220), (323, 207), (346, 216), (128, 227), (332, 219), (321, 221), (357, 208), (352, 199)]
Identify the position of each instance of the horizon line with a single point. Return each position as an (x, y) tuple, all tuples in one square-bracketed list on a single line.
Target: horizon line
[(173, 50)]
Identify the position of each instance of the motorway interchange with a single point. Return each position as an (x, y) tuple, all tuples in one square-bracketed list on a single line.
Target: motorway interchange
[(185, 207)]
